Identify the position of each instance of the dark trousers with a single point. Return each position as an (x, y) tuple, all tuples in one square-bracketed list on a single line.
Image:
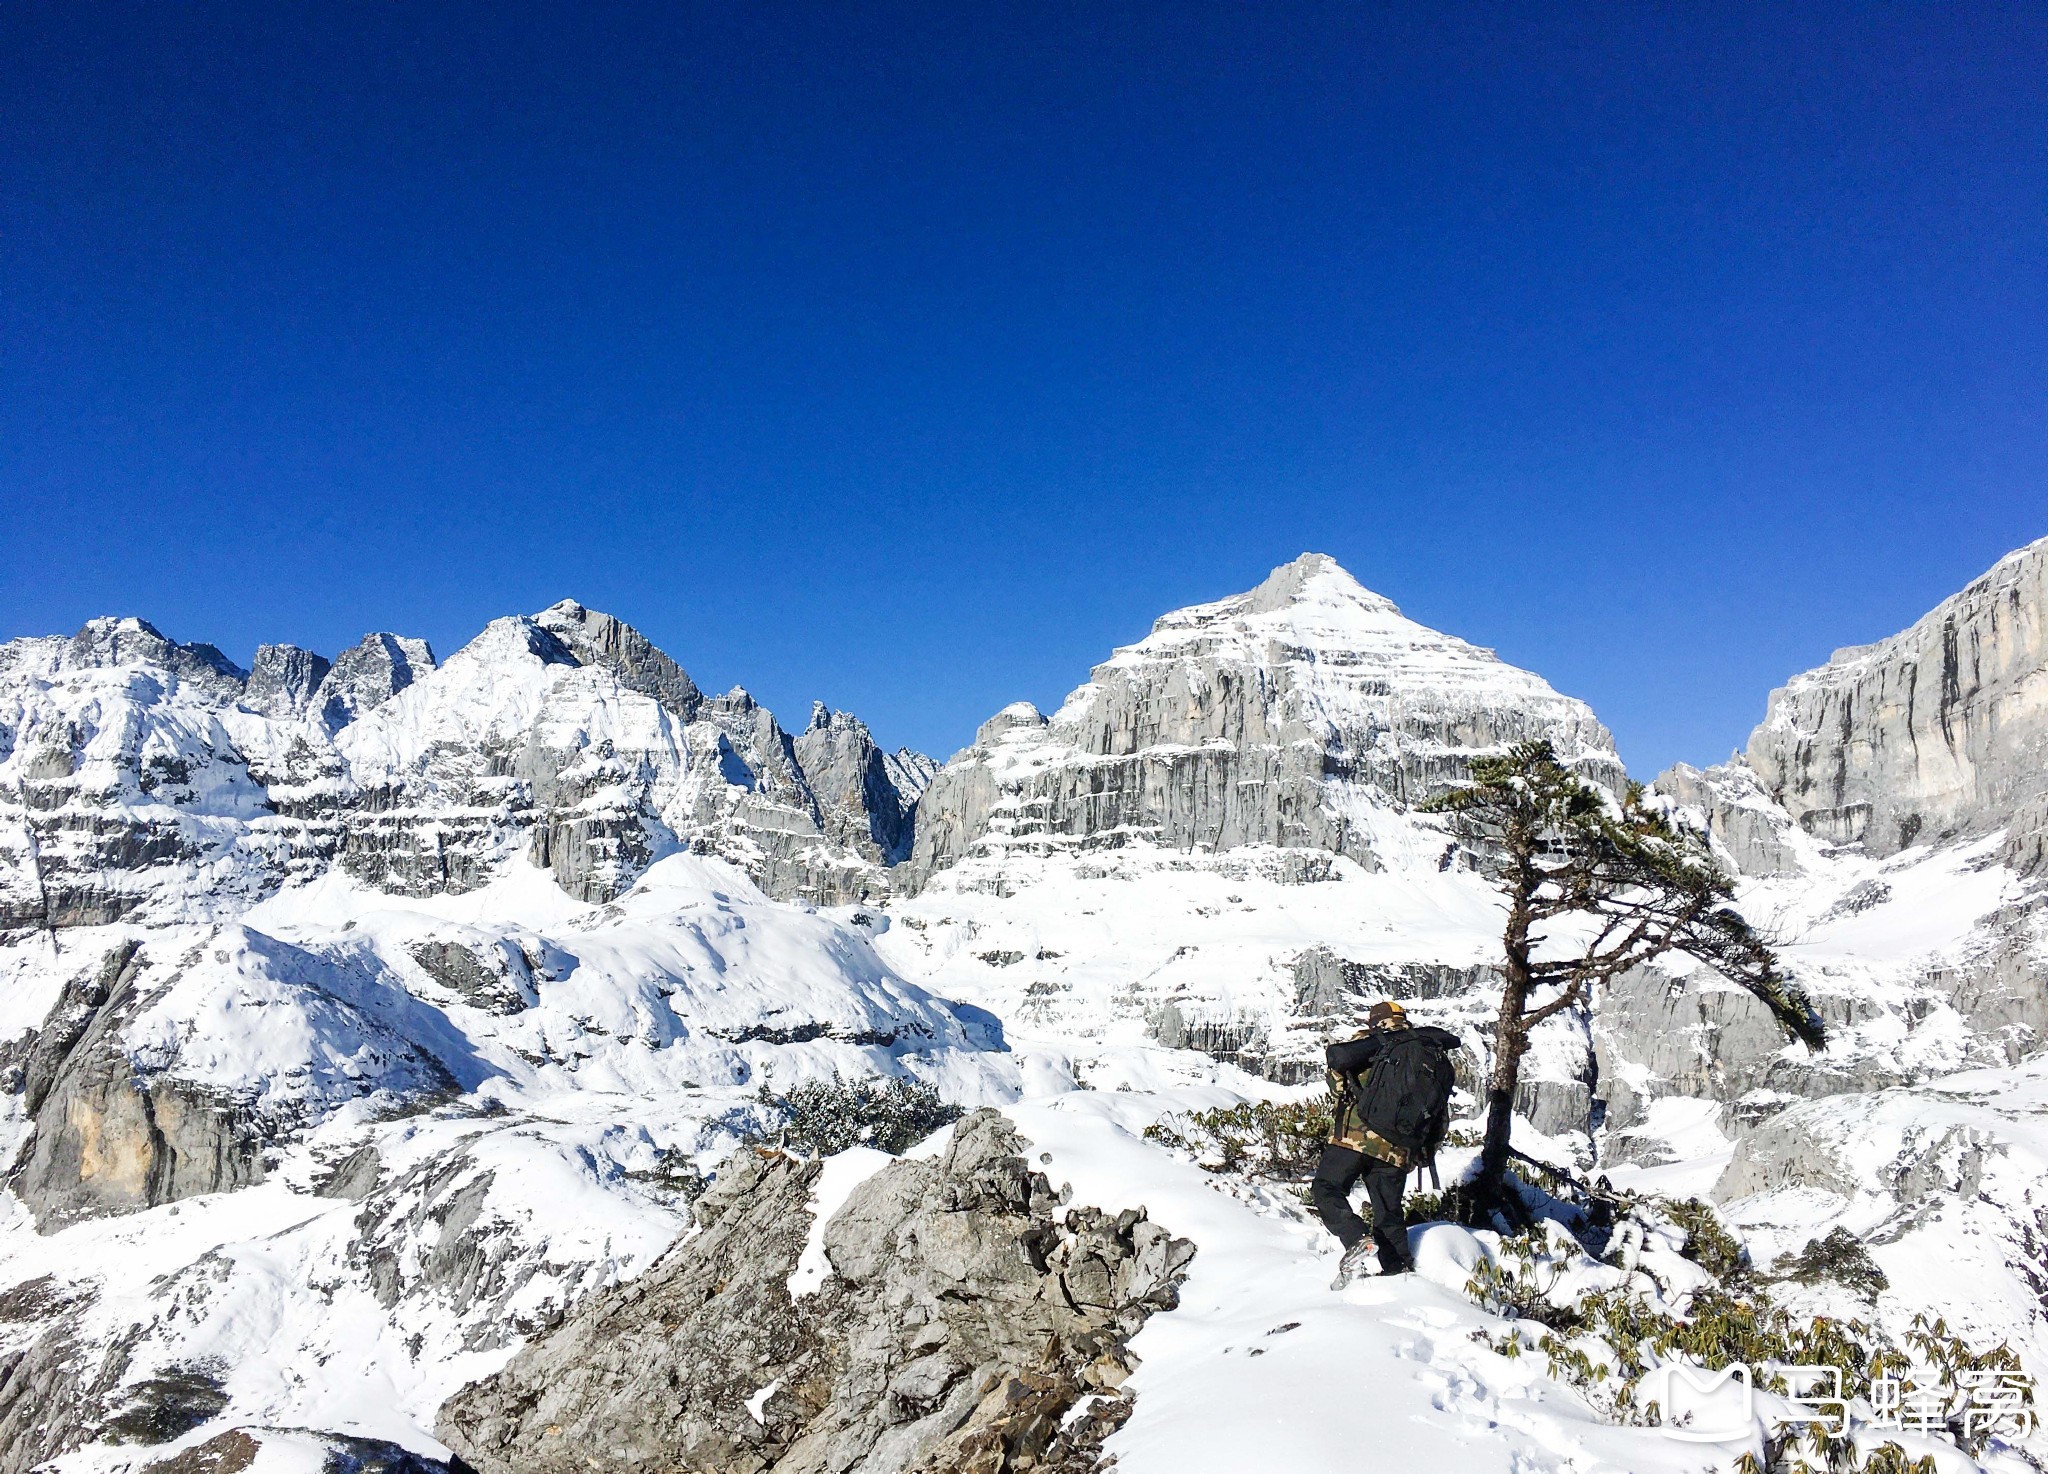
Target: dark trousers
[(1337, 1172)]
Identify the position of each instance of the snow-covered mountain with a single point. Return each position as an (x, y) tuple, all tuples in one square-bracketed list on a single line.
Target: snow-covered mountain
[(1307, 714), (366, 1021), (146, 780)]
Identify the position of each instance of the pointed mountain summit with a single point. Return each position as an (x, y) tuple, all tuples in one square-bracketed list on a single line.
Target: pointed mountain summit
[(1304, 713)]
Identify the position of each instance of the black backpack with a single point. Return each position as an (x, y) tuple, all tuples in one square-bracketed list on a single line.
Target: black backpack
[(1407, 1094)]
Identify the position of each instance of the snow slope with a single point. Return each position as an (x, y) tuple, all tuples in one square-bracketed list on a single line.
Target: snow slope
[(460, 998), (426, 1210)]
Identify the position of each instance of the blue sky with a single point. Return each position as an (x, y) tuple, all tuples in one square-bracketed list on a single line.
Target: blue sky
[(911, 357)]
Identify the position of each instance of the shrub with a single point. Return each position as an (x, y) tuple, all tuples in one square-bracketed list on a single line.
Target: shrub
[(825, 1117), (674, 1174), (1707, 1243), (1273, 1139), (1841, 1258), (169, 1405), (1607, 1342)]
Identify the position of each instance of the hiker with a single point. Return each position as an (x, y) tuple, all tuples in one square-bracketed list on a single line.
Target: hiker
[(1393, 1093)]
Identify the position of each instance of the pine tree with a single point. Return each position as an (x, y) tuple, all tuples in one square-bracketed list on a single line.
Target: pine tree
[(1595, 887)]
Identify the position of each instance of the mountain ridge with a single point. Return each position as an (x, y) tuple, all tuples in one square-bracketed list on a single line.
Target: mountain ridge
[(365, 1058)]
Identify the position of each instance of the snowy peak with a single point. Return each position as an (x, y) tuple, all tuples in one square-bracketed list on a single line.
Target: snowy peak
[(1355, 649), (1314, 580), (1302, 714), (1310, 601), (129, 644), (488, 691), (600, 639)]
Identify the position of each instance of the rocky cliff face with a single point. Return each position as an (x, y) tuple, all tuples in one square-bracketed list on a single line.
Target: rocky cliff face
[(366, 675), (271, 1144), (138, 1091), (1305, 714), (146, 780), (1937, 733), (1887, 821), (962, 1316)]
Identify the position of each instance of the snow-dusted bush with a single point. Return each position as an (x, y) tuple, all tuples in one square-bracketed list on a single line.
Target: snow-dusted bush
[(1841, 1259), (1260, 1138), (1675, 1287), (825, 1117)]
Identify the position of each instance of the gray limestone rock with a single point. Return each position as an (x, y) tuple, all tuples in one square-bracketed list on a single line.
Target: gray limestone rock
[(1275, 717), (2001, 988), (1751, 828), (354, 1177), (108, 1138), (1939, 731), (107, 643), (1806, 1147), (428, 1235), (853, 786), (283, 680), (964, 1317), (368, 674), (498, 980), (126, 1115), (1708, 1039), (95, 796), (602, 640), (56, 1388)]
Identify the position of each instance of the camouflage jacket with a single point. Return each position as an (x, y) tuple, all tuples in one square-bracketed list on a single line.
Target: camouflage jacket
[(1346, 1129)]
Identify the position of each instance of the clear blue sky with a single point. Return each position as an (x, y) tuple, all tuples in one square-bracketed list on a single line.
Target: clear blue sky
[(912, 357)]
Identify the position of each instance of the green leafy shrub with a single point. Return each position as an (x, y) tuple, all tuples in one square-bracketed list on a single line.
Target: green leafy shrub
[(1272, 1139), (1607, 1343), (1428, 1207), (1707, 1243), (1840, 1258)]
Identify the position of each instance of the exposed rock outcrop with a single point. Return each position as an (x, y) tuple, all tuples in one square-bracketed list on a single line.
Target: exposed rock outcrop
[(283, 680), (1939, 731), (854, 786), (368, 674), (1753, 829), (602, 640), (963, 1318), (107, 1138), (126, 1109)]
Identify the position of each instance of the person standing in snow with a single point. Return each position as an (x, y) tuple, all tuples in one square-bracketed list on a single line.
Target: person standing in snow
[(1393, 1091)]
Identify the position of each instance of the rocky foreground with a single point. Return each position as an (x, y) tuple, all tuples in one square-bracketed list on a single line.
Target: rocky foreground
[(963, 1315)]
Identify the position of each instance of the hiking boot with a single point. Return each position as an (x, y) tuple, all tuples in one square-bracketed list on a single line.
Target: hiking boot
[(1355, 1264)]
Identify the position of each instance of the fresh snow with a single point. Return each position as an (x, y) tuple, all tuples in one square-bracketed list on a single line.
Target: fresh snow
[(630, 1040), (837, 1178)]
